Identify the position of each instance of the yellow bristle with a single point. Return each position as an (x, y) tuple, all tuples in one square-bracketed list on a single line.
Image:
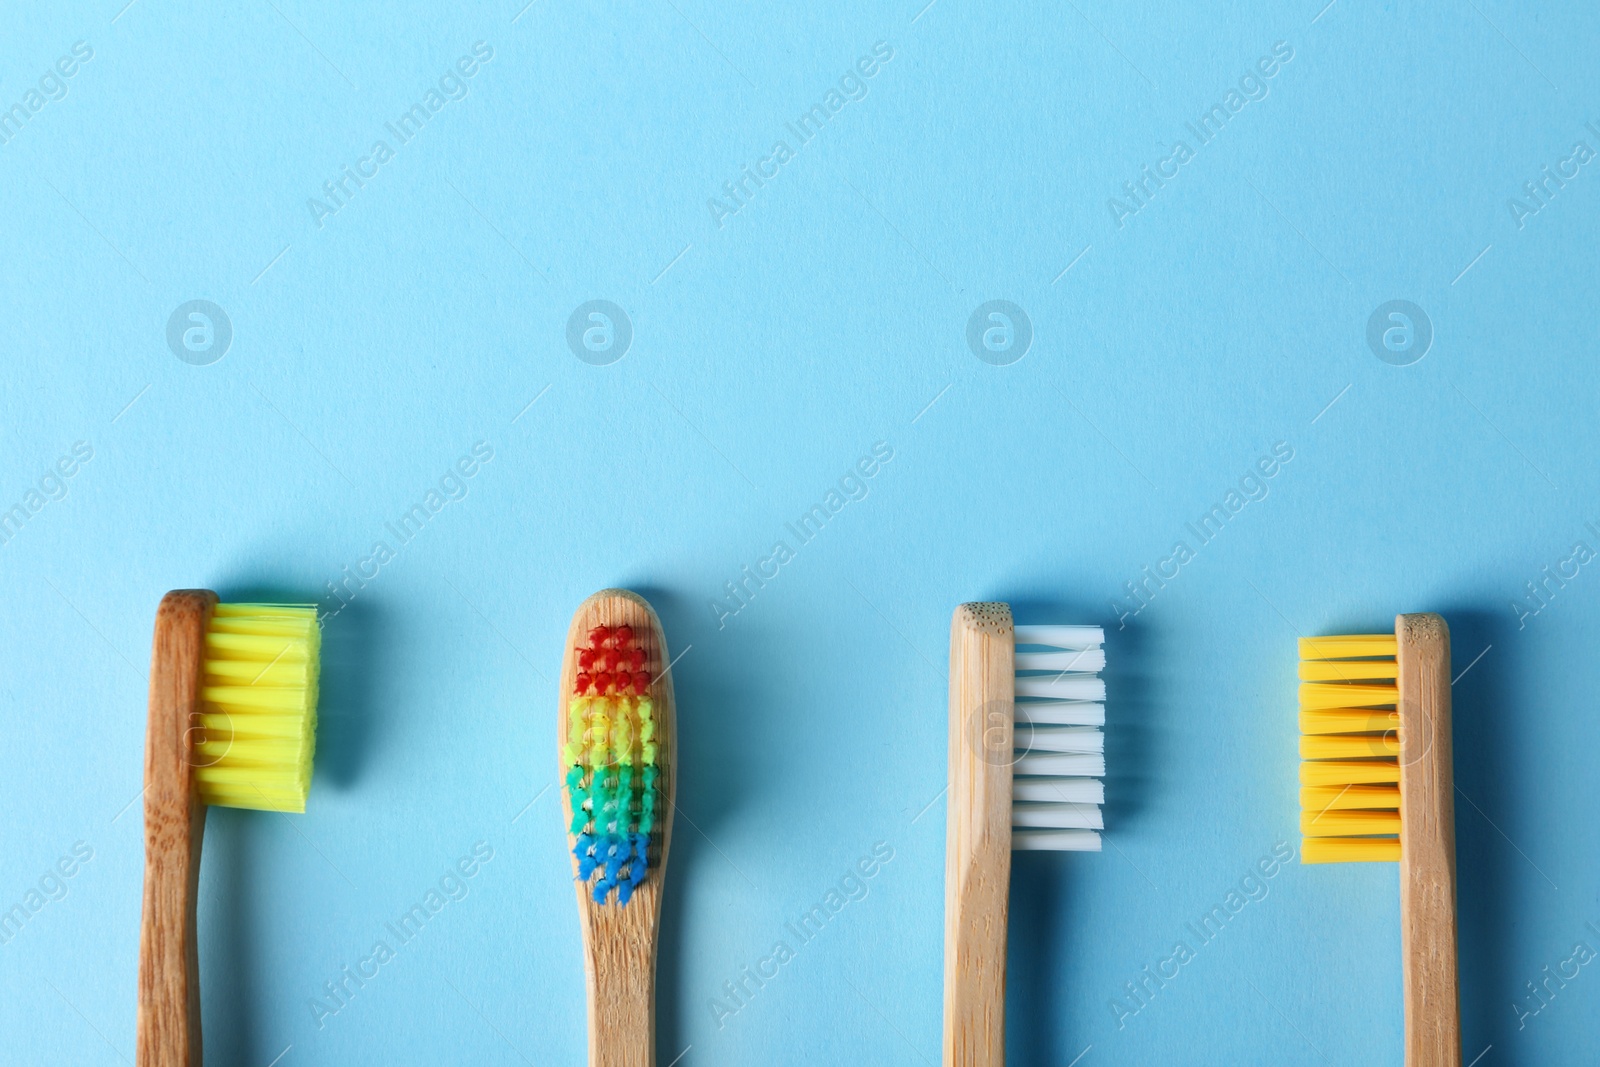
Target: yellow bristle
[(1314, 798), (1349, 647), (1348, 670), (1348, 721), (1316, 696), (1360, 746), (1348, 823), (253, 745), (1349, 772), (1349, 744), (1350, 850)]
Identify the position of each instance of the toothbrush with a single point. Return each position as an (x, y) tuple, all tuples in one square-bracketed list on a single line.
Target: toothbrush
[(618, 743), (1375, 784), (233, 710), (1026, 759)]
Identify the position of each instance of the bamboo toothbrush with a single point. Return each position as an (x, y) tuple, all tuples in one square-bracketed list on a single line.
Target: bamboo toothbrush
[(1375, 784), (1026, 759), (233, 708), (618, 744)]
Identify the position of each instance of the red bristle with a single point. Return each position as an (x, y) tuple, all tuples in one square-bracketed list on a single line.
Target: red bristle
[(612, 664)]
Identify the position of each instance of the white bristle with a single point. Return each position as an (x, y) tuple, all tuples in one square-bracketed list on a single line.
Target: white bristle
[(1028, 738), (1056, 790), (1056, 840), (1056, 816), (1060, 713), (1083, 659), (1060, 636), (1062, 687), (1061, 765)]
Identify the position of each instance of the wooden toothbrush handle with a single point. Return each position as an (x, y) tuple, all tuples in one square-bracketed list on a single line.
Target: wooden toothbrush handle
[(621, 978), (174, 818), (977, 871), (1427, 844)]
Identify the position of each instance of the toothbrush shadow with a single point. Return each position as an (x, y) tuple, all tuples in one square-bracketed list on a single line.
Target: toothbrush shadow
[(350, 640), (345, 694), (705, 702), (1039, 942), (1131, 714), (1484, 701), (229, 948), (230, 914)]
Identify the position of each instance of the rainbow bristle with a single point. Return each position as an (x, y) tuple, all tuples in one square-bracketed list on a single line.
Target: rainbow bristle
[(1349, 749), (611, 755), (253, 745)]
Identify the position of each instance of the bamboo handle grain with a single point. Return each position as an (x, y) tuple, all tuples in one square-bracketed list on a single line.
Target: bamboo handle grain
[(619, 940), (174, 818), (1427, 844), (977, 871), (619, 966)]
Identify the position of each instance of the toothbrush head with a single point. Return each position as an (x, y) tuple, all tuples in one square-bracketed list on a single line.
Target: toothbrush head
[(1349, 749), (616, 743), (1057, 786), (253, 743)]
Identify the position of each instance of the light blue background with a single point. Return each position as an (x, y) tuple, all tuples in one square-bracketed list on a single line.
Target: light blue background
[(768, 355)]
